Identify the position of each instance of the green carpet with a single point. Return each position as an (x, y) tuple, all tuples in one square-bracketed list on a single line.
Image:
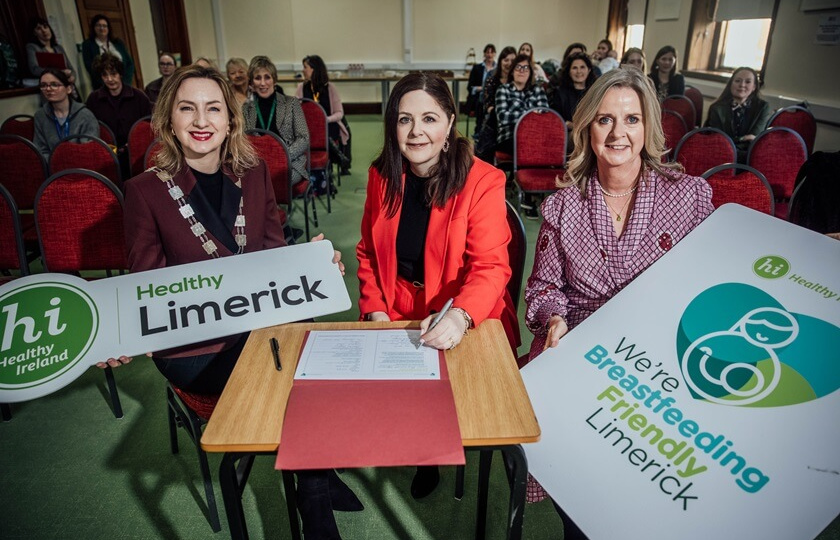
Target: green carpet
[(69, 469)]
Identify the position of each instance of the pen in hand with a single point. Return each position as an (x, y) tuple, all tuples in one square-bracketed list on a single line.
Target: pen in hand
[(439, 316), (275, 351)]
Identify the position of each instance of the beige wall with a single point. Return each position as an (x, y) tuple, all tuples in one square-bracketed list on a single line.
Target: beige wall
[(141, 15), (201, 27)]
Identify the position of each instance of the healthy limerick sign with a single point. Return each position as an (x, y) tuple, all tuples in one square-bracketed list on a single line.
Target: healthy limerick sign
[(702, 400), (54, 326)]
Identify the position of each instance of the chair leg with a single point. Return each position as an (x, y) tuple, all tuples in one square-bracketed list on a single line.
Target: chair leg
[(212, 510), (314, 209), (112, 390), (6, 411), (328, 172), (173, 422)]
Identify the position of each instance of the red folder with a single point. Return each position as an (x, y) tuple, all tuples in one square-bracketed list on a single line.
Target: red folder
[(50, 60), (335, 424)]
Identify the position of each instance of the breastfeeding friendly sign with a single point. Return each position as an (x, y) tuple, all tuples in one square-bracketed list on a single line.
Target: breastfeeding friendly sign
[(701, 401), (54, 326)]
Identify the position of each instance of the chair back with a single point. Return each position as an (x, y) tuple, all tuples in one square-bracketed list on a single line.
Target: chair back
[(696, 98), (778, 153), (800, 120), (682, 106), (815, 203), (748, 188), (274, 152), (22, 125), (539, 140), (704, 148), (79, 215), (674, 127), (517, 249), (12, 253), (154, 148), (23, 169), (316, 122), (139, 138), (107, 134), (85, 152)]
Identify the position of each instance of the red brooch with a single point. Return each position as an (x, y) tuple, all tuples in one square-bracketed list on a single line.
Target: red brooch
[(665, 241)]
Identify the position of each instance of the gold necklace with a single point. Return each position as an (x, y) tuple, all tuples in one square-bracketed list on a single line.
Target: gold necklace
[(623, 210)]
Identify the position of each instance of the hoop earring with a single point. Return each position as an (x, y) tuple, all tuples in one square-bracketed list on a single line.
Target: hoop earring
[(446, 144)]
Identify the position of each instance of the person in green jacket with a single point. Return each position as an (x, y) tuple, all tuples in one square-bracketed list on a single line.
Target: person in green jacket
[(739, 111), (101, 41)]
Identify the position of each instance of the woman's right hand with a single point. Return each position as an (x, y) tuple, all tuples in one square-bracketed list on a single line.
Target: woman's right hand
[(117, 362), (556, 329), (378, 316)]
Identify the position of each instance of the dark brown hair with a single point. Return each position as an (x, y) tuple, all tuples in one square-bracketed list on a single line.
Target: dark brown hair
[(449, 176), (105, 63)]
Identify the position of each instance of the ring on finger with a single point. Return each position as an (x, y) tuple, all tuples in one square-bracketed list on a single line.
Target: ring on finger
[(451, 343)]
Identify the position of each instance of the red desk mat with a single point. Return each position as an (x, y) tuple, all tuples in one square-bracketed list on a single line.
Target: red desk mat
[(335, 424)]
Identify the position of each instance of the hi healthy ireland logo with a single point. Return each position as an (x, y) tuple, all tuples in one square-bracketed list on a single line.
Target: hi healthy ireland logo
[(46, 329), (739, 346)]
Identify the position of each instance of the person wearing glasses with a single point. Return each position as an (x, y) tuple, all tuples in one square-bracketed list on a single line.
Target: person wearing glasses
[(166, 67), (101, 41), (60, 116)]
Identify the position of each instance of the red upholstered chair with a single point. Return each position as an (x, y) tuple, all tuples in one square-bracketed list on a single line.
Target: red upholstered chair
[(274, 152), (539, 152), (22, 125), (23, 170), (319, 147), (517, 249), (148, 159), (800, 120), (778, 153), (682, 106), (674, 127), (107, 134), (704, 148), (139, 138), (191, 411), (748, 188), (82, 152), (696, 98)]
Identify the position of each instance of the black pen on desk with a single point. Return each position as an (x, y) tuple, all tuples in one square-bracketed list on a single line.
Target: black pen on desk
[(275, 351)]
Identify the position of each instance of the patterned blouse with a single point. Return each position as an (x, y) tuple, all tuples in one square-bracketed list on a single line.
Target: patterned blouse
[(511, 104), (579, 263)]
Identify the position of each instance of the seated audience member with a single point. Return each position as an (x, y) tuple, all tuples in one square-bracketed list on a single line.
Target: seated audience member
[(279, 114), (166, 67), (739, 111), (634, 57), (43, 41), (117, 104), (485, 143), (61, 116), (618, 199), (575, 79), (203, 61), (237, 73), (600, 52), (222, 180), (425, 182), (610, 62), (515, 99), (101, 41), (478, 75), (536, 71), (573, 48), (316, 86), (664, 74)]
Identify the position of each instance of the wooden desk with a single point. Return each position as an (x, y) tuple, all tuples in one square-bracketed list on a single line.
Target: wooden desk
[(384, 81), (494, 411)]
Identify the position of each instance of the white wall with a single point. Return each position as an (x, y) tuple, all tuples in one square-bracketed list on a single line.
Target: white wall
[(141, 15)]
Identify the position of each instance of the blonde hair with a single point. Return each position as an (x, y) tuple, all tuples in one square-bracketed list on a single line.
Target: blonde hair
[(236, 61), (262, 62), (237, 152), (583, 162)]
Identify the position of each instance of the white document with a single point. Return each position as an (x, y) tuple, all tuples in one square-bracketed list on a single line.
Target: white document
[(367, 354)]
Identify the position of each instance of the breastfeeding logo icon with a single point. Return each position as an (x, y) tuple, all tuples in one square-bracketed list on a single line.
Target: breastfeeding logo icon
[(737, 345)]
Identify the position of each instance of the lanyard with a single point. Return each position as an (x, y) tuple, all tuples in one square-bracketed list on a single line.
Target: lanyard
[(265, 122), (63, 130)]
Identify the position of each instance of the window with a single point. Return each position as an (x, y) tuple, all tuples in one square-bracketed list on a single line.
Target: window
[(635, 36), (726, 34)]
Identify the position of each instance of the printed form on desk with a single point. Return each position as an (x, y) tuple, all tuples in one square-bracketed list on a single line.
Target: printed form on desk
[(367, 355)]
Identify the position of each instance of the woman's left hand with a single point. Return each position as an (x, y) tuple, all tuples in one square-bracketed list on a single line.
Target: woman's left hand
[(447, 334), (336, 254)]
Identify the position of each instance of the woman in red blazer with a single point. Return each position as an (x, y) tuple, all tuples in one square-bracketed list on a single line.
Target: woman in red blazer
[(433, 228)]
